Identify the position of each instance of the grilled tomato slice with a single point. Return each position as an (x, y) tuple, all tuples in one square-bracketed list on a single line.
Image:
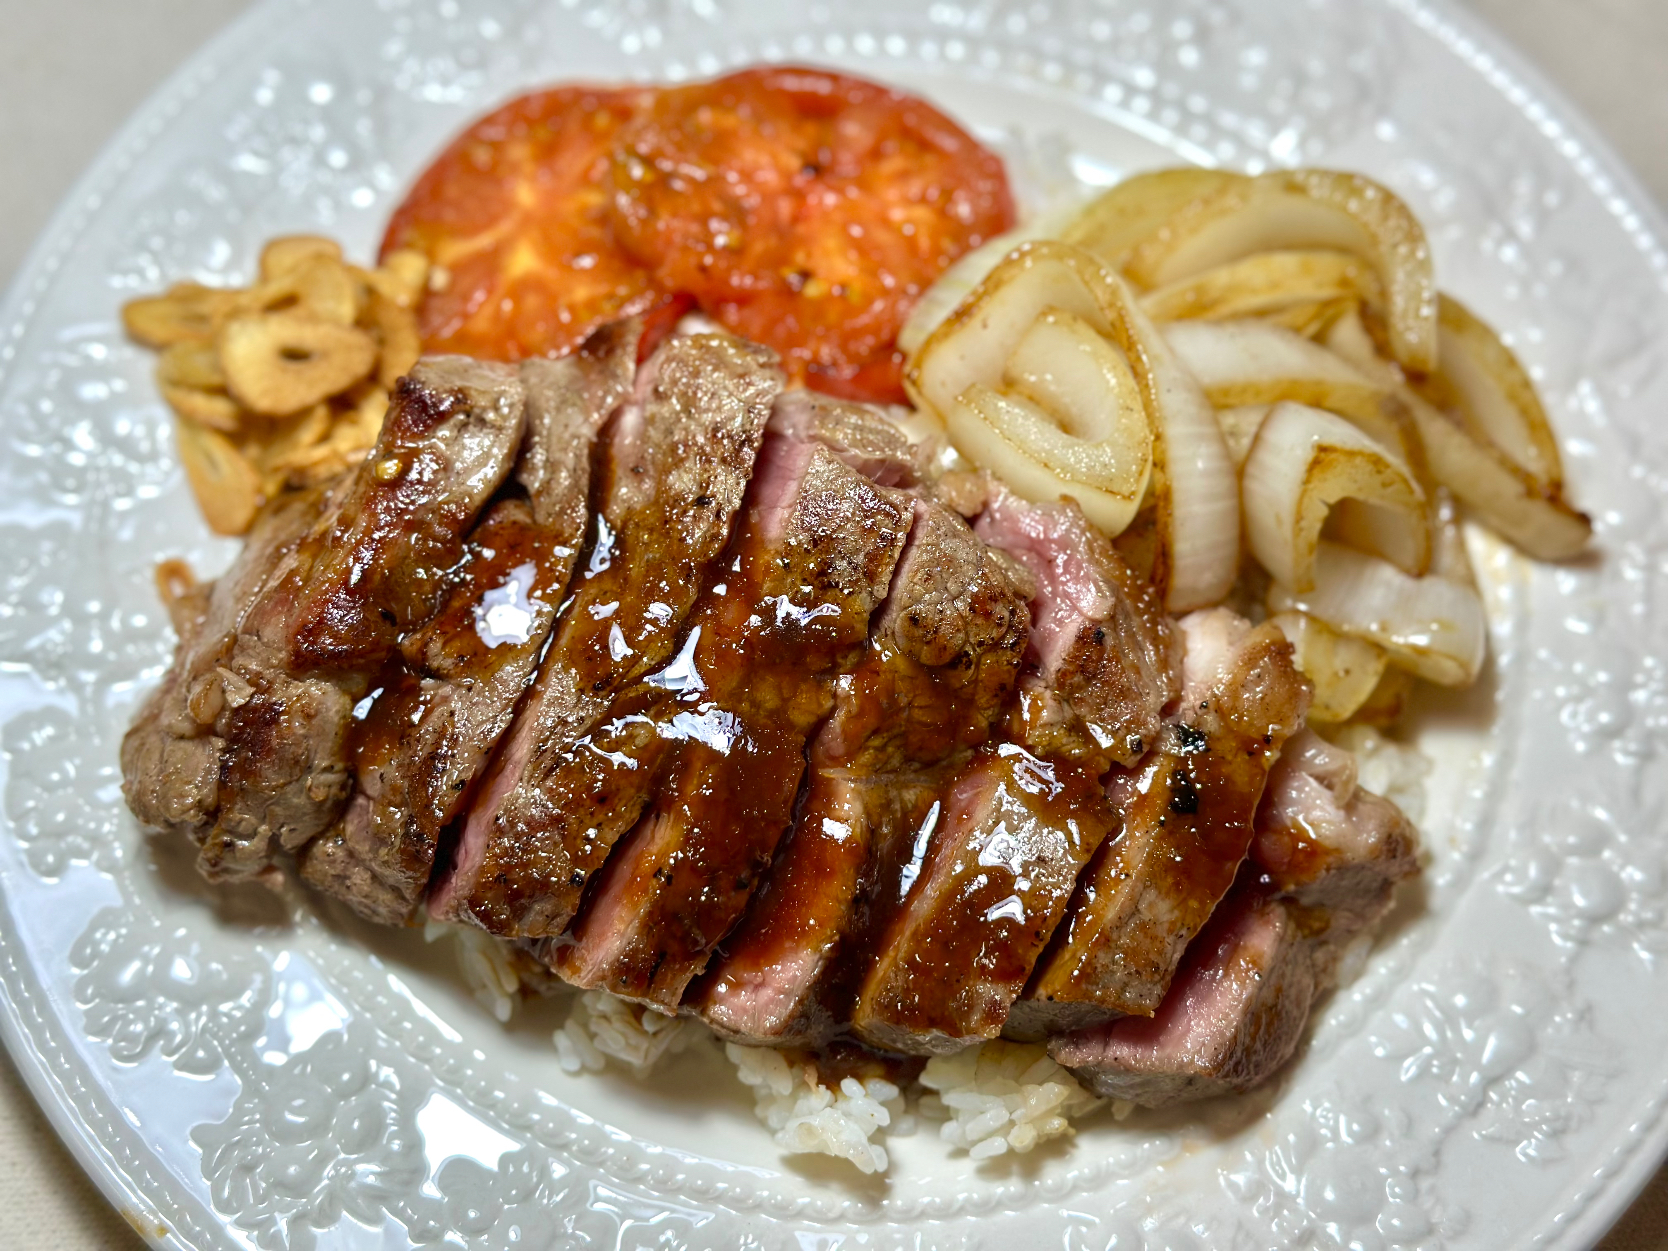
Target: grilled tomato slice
[(803, 209), (806, 210), (515, 215)]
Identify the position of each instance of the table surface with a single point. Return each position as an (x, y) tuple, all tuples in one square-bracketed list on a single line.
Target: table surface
[(84, 66)]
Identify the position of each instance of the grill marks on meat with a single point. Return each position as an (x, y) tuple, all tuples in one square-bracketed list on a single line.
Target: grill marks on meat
[(808, 567), (265, 676), (1323, 870), (674, 467), (1103, 661), (1187, 813), (937, 675), (984, 895), (438, 711)]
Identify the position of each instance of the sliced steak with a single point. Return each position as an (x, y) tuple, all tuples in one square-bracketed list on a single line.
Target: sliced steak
[(1103, 660), (172, 754), (800, 583), (1323, 870), (568, 400), (768, 985), (451, 435), (1186, 825), (675, 463), (863, 438), (307, 622), (984, 894), (941, 661), (1326, 844), (426, 729), (1234, 1014)]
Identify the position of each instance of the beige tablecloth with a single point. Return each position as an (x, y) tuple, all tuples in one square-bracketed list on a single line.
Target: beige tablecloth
[(72, 70)]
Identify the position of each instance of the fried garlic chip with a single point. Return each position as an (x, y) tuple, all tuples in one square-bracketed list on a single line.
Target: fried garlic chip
[(284, 362), (227, 487), (284, 384), (186, 311)]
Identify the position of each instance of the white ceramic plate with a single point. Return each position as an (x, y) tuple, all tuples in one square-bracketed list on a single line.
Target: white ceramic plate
[(238, 1070)]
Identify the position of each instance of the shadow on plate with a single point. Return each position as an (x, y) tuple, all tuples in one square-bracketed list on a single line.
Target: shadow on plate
[(239, 905)]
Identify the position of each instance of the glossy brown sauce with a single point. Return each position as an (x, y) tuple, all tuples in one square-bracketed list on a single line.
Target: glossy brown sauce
[(459, 643), (785, 613), (927, 691), (987, 896), (387, 572), (575, 774), (1186, 826)]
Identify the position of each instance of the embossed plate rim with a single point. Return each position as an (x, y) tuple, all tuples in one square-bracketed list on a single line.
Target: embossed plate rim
[(33, 275), (1647, 1136)]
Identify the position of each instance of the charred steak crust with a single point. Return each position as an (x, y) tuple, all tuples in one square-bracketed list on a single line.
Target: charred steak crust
[(267, 675), (674, 464), (438, 710), (451, 435)]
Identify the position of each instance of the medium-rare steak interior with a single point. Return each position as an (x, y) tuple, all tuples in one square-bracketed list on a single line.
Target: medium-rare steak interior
[(672, 468), (1324, 863), (935, 679), (810, 562), (426, 729), (1104, 662), (702, 692), (245, 745)]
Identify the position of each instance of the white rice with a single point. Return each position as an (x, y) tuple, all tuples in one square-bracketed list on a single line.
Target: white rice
[(808, 1117), (601, 1027), (1002, 1097), (487, 965), (993, 1099)]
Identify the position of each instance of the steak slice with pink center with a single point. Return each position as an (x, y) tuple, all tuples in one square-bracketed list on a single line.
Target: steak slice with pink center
[(1233, 1016), (1103, 661), (1328, 844), (809, 566), (424, 733), (983, 896), (862, 437), (675, 463), (1323, 870), (939, 668), (1186, 815)]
